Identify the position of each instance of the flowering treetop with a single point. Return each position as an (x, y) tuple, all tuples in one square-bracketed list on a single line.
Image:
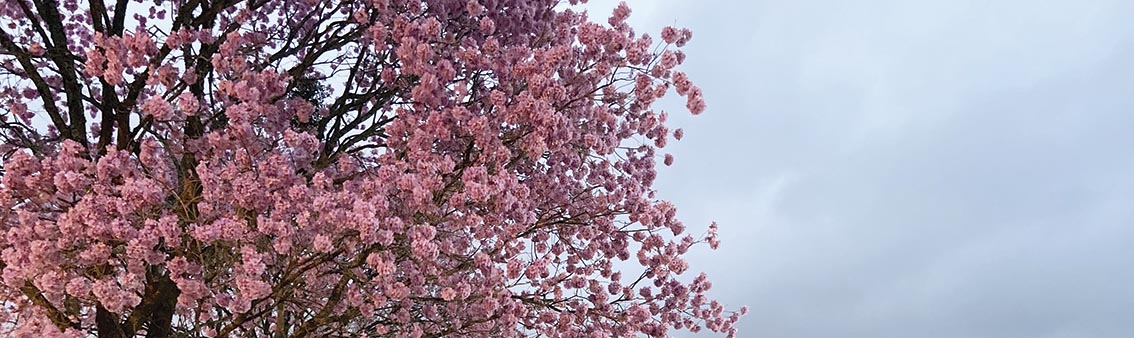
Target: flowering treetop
[(307, 168)]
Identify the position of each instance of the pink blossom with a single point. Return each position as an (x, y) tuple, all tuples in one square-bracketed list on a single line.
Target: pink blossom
[(670, 34), (422, 168), (322, 243), (621, 12), (487, 26), (474, 8), (113, 297), (448, 294), (188, 104), (695, 102), (158, 108), (681, 83)]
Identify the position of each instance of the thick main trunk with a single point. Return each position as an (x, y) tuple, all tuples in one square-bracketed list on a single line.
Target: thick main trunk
[(155, 313), (161, 314), (107, 324)]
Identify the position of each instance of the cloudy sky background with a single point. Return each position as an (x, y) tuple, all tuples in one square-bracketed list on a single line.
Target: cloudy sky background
[(939, 168)]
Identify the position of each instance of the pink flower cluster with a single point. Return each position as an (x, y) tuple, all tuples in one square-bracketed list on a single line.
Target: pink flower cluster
[(313, 168)]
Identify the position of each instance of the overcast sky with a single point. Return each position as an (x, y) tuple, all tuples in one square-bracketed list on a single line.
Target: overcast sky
[(904, 169)]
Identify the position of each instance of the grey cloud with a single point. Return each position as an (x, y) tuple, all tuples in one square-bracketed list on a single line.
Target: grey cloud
[(911, 168)]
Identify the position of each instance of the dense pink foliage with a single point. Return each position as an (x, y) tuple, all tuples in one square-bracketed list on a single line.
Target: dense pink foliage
[(307, 168)]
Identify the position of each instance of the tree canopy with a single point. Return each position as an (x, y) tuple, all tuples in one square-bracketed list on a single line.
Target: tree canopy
[(353, 168)]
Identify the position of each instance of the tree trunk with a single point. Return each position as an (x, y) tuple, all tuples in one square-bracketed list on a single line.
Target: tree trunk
[(107, 324)]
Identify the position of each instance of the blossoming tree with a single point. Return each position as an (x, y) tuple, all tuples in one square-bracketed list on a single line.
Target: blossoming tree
[(347, 168)]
